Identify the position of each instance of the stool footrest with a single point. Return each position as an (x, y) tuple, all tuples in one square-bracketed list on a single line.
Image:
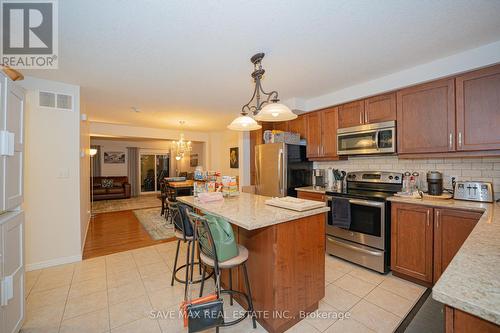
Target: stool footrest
[(195, 281)]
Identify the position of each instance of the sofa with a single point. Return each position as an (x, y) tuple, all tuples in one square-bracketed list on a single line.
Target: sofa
[(105, 188)]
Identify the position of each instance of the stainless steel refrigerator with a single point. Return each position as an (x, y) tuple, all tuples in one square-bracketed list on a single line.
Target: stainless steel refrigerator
[(280, 168)]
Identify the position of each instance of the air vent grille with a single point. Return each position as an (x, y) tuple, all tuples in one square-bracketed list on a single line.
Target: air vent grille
[(55, 101)]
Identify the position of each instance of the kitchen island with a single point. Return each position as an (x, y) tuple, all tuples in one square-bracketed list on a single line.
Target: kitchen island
[(286, 265)]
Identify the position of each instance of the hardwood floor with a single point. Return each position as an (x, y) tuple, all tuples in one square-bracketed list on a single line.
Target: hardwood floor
[(116, 232)]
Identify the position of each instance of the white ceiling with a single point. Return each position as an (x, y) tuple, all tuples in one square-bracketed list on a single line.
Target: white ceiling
[(189, 60)]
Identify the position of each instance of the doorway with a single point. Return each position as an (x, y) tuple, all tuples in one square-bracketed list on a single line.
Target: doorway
[(153, 168)]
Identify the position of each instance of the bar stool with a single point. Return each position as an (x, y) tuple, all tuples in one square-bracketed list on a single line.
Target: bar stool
[(183, 231), (169, 197), (163, 196), (208, 257)]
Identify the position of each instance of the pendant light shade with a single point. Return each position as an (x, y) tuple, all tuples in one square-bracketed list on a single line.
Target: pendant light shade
[(244, 123), (275, 112)]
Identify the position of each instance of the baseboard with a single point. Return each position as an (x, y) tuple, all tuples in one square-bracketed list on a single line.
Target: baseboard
[(53, 262)]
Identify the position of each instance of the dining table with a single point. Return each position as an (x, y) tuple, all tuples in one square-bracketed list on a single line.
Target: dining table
[(184, 187)]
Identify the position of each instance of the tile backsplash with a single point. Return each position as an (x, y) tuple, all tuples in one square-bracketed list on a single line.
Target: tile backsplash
[(484, 169)]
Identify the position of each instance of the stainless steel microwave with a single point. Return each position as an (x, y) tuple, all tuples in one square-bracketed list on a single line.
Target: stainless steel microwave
[(376, 138)]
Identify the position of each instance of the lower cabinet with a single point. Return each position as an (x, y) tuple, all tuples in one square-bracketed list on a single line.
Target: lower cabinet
[(412, 241), (424, 240), (311, 195), (451, 229), (457, 321)]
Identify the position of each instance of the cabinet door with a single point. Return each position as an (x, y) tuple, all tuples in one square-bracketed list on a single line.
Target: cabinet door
[(411, 241), (380, 108), (351, 114), (13, 165), (329, 132), (310, 196), (426, 118), (451, 229), (478, 110), (12, 226), (281, 126), (298, 125), (313, 134)]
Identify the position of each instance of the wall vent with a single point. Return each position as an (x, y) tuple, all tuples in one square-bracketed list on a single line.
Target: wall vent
[(55, 101)]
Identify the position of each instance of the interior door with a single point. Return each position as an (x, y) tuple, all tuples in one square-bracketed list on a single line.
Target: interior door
[(13, 271), (478, 111), (13, 167), (426, 118)]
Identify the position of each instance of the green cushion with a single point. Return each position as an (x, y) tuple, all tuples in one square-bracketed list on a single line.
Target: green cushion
[(222, 233)]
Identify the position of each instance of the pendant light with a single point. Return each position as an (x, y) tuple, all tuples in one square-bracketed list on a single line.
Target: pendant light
[(263, 110)]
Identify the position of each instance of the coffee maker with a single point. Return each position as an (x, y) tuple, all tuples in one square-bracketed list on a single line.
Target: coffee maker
[(319, 178), (434, 183)]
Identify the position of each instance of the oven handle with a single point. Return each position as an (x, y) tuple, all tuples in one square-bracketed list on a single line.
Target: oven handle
[(366, 203), (355, 248)]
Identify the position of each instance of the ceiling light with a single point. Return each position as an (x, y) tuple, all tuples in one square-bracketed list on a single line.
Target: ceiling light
[(263, 110), (135, 109), (92, 151), (244, 123)]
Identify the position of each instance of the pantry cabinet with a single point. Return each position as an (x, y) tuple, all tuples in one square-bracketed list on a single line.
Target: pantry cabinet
[(322, 134), (426, 118), (451, 229), (424, 240), (412, 241), (478, 111)]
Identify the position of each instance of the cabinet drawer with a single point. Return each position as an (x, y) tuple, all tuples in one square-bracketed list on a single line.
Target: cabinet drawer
[(311, 196)]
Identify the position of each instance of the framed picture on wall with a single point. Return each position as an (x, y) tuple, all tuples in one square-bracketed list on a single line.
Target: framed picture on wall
[(193, 160), (234, 158), (114, 157)]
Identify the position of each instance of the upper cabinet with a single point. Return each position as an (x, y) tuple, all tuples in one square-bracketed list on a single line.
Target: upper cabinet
[(380, 108), (426, 118), (298, 125), (478, 110), (376, 109), (351, 114), (281, 126), (322, 134)]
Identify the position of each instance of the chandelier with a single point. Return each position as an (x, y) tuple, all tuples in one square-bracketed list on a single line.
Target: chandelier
[(180, 147), (265, 107)]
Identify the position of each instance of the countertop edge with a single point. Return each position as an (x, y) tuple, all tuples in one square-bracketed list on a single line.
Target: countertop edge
[(303, 214), (311, 189)]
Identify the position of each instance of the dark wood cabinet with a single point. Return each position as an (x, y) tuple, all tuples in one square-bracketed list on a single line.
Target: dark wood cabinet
[(412, 241), (478, 110), (451, 229), (380, 108), (351, 114), (426, 118), (298, 125), (311, 195), (281, 126)]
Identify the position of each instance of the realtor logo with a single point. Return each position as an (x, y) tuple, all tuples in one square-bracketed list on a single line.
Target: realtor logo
[(29, 34)]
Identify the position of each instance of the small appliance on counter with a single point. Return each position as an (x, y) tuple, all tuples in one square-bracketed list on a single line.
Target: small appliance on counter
[(434, 183), (319, 179), (473, 191)]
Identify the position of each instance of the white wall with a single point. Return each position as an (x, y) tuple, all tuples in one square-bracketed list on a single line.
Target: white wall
[(84, 180), (220, 142), (52, 178), (484, 169)]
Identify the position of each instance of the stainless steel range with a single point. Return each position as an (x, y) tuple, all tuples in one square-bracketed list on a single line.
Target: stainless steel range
[(359, 222)]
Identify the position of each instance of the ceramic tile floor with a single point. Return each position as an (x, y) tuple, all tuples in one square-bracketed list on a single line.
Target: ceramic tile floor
[(117, 293)]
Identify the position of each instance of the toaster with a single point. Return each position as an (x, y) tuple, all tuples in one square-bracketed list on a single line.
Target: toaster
[(473, 191)]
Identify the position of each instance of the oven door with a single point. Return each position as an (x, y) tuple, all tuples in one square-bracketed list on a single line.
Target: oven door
[(367, 223)]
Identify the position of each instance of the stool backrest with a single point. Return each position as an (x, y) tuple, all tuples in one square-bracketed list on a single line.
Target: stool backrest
[(204, 237)]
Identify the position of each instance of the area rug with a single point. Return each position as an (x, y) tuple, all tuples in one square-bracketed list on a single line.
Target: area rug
[(154, 223), (140, 202)]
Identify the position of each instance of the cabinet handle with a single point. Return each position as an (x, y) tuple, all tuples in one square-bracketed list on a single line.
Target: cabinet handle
[(361, 117), (428, 218), (318, 151), (366, 118), (451, 140), (460, 139), (437, 218)]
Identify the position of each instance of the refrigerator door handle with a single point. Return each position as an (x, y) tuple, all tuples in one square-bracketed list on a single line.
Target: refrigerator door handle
[(280, 171)]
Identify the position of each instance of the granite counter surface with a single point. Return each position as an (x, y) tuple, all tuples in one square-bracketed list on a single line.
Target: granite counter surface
[(471, 282), (249, 211)]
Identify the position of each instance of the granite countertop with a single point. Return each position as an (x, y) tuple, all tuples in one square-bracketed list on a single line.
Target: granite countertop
[(471, 282), (313, 189), (249, 211)]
